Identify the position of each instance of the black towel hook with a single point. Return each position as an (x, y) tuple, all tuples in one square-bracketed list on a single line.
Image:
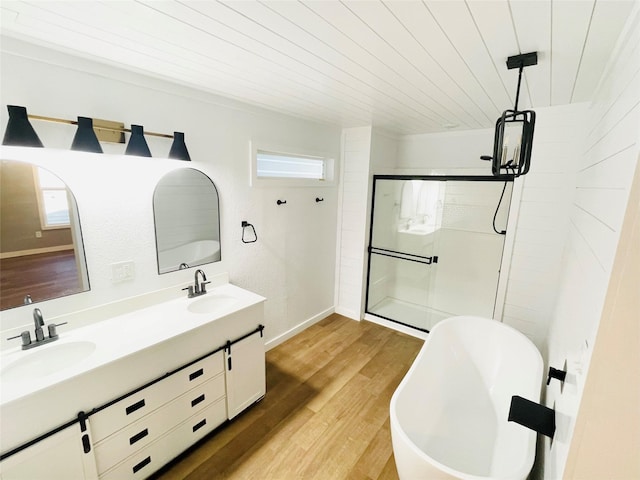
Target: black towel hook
[(318, 199), (281, 202)]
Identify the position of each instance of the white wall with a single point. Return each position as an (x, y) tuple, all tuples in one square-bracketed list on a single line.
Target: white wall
[(352, 222), (291, 264), (608, 159), (606, 438), (454, 153), (543, 219), (543, 211)]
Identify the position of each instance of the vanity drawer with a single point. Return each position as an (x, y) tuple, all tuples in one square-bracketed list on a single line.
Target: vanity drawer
[(146, 430), (146, 461), (137, 405)]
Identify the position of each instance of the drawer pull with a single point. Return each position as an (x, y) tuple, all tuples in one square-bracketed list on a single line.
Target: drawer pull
[(196, 374), (142, 464), (196, 401), (136, 406), (138, 436), (199, 425)]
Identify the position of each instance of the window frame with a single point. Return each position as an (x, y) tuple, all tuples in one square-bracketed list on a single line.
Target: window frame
[(256, 181), (40, 197)]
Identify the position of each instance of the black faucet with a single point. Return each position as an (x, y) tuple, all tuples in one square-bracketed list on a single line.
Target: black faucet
[(557, 374), (532, 415)]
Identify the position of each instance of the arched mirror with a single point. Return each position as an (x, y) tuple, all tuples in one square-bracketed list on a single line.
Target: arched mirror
[(41, 250), (187, 220)]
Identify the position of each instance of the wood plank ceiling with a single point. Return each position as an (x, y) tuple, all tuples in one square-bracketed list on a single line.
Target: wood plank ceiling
[(405, 66)]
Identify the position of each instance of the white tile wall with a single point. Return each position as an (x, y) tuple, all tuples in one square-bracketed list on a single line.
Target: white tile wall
[(543, 220), (609, 156), (352, 221)]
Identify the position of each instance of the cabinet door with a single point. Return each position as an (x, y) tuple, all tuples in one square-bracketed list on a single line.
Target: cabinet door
[(58, 457), (245, 373)]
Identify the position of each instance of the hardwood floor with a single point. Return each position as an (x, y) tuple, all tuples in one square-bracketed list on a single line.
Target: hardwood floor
[(325, 414), (43, 276)]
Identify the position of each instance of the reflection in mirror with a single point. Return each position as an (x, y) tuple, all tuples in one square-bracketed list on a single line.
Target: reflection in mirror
[(185, 208), (41, 249)]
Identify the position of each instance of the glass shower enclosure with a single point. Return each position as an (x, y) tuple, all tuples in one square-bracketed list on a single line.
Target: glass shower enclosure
[(435, 247)]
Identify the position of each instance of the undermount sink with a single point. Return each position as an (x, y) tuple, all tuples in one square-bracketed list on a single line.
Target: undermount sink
[(51, 359), (211, 302), (419, 229)]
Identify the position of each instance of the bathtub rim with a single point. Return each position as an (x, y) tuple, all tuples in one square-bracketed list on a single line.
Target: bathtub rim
[(194, 263), (523, 472)]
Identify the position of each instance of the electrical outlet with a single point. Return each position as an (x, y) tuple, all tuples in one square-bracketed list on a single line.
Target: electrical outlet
[(122, 271), (38, 234)]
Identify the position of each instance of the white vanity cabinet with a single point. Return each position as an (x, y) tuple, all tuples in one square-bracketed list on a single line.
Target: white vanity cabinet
[(184, 367), (245, 373), (136, 435), (60, 456)]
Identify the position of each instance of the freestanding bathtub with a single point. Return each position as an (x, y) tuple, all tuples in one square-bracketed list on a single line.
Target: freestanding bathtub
[(193, 254), (449, 414)]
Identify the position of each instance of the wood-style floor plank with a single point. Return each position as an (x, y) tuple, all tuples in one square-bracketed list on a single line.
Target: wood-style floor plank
[(325, 415), (43, 276)]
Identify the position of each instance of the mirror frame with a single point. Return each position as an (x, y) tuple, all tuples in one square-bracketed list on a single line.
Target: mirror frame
[(155, 223), (76, 225)]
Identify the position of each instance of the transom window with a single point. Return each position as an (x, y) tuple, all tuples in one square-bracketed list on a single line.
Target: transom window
[(52, 200), (281, 165)]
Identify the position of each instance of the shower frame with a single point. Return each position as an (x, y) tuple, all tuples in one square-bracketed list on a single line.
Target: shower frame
[(516, 193)]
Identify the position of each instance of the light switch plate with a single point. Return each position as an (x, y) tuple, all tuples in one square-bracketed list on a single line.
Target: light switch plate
[(122, 271)]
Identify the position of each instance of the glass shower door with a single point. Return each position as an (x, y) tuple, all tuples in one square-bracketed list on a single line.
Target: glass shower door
[(433, 252)]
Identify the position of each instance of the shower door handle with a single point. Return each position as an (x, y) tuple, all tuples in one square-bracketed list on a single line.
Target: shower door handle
[(403, 256)]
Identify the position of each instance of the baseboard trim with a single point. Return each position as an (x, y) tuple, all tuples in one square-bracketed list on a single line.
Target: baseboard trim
[(345, 312), (35, 251), (298, 328)]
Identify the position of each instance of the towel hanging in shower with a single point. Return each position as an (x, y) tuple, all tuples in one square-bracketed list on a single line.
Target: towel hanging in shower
[(407, 201)]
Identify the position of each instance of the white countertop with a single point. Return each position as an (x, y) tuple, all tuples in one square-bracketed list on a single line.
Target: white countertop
[(114, 338)]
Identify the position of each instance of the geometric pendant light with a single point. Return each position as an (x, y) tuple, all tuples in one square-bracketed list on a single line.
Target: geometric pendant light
[(513, 135), (85, 139), (19, 131)]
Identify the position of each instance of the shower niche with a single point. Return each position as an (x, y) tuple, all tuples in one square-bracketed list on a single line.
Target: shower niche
[(435, 247)]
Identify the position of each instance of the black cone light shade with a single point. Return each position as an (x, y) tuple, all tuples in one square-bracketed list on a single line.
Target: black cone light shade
[(137, 144), (85, 139), (178, 149), (19, 131)]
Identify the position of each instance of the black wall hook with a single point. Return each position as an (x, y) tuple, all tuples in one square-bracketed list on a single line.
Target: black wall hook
[(318, 199), (281, 202)]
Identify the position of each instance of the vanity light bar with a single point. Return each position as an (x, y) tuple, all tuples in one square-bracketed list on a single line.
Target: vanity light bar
[(20, 133), (98, 127)]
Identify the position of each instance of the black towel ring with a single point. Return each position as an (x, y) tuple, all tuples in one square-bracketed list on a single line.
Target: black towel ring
[(246, 225)]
